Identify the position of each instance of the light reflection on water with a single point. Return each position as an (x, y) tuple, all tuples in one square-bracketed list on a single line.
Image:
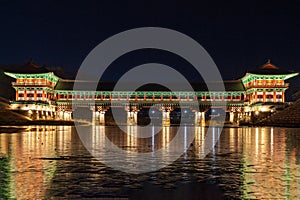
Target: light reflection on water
[(40, 161)]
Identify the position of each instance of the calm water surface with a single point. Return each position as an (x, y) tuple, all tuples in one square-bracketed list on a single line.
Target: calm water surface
[(50, 162)]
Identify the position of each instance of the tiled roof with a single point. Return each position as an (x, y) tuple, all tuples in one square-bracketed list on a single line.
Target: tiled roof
[(270, 69), (26, 68), (235, 85)]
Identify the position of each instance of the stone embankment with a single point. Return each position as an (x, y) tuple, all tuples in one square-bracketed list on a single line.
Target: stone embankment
[(10, 118), (289, 117)]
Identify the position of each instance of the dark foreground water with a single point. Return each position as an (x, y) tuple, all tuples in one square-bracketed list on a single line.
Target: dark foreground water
[(50, 162)]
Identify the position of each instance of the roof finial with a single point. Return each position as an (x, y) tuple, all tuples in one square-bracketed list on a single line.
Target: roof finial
[(269, 61)]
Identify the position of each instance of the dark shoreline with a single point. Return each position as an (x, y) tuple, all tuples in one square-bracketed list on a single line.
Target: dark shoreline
[(38, 122)]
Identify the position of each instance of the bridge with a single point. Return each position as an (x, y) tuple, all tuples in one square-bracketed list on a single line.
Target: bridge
[(41, 94)]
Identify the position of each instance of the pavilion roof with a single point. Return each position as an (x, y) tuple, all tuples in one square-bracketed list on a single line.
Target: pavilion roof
[(25, 68), (270, 69)]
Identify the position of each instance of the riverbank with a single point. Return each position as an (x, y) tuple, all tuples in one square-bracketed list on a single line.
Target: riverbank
[(289, 117)]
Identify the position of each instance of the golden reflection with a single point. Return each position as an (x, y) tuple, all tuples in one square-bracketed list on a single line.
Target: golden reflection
[(269, 169), (199, 140), (132, 137), (269, 156), (232, 138), (165, 136), (30, 166)]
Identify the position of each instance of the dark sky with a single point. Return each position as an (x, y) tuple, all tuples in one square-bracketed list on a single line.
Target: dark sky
[(239, 35)]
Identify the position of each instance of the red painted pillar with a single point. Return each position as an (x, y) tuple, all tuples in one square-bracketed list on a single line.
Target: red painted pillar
[(17, 95), (43, 95), (25, 95), (34, 95)]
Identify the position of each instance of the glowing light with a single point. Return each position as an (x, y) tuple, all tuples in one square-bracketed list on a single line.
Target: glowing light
[(263, 109)]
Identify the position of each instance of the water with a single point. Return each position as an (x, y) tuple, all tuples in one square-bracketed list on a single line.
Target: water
[(50, 162)]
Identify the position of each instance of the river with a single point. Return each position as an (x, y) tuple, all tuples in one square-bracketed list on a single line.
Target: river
[(50, 162)]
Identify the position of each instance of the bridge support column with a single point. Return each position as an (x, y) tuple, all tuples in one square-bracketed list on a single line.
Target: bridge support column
[(202, 120), (102, 117), (231, 117), (166, 110), (132, 117), (166, 118), (67, 116), (61, 115), (95, 119), (199, 118), (98, 117), (132, 111)]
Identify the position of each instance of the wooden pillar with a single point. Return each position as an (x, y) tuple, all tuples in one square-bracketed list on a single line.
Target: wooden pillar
[(264, 96), (43, 95), (17, 95), (283, 97), (25, 95), (274, 97), (34, 95)]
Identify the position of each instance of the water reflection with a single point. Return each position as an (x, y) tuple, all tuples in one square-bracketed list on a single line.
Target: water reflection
[(270, 167), (28, 174), (38, 162)]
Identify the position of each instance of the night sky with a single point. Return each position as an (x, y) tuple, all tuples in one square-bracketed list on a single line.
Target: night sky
[(239, 35)]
